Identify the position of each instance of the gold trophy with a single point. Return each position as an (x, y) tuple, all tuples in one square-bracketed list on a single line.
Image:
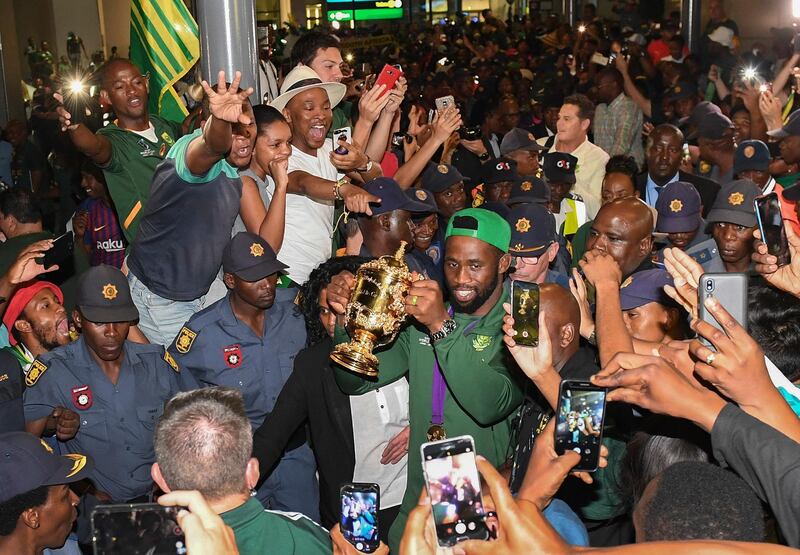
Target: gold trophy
[(375, 312)]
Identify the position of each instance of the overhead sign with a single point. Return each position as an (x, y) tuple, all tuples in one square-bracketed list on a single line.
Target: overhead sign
[(364, 10)]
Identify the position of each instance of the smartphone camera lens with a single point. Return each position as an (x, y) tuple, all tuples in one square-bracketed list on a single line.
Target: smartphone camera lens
[(709, 285)]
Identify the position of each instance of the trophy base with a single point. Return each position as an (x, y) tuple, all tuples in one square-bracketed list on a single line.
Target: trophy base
[(357, 355)]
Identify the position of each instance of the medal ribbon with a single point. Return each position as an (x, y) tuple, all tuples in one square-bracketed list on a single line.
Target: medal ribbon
[(439, 390)]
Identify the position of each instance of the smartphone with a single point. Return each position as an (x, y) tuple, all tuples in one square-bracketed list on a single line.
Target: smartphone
[(359, 515), (599, 59), (730, 289), (61, 250), (470, 133), (397, 139), (77, 101), (579, 422), (770, 223), (454, 487), (525, 310), (388, 76), (444, 102), (147, 527), (341, 134)]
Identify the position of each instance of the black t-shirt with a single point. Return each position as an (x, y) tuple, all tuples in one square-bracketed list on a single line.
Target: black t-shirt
[(12, 386)]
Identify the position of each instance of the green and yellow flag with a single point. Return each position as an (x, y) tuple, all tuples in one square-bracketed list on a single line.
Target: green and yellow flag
[(164, 43)]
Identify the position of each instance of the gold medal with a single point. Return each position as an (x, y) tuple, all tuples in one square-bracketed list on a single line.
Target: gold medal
[(436, 432)]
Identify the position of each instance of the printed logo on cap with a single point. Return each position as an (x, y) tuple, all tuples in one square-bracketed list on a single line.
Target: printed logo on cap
[(749, 151), (526, 186), (441, 168), (735, 199), (676, 205), (110, 291), (502, 166), (523, 225), (78, 462), (420, 194), (563, 164), (256, 249), (626, 283)]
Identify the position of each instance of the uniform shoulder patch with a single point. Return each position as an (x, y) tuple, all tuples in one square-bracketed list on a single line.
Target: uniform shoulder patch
[(171, 361), (185, 340), (38, 368)]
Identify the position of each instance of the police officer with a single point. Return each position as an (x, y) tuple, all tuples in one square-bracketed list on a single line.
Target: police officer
[(448, 188), (568, 208), (751, 161), (649, 313), (733, 220), (425, 225), (520, 146), (534, 245), (248, 340), (529, 189), (498, 178), (680, 218), (117, 388)]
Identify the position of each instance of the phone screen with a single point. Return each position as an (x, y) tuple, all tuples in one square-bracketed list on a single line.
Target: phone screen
[(525, 311), (61, 250), (151, 528), (770, 223), (359, 516), (579, 422), (454, 487)]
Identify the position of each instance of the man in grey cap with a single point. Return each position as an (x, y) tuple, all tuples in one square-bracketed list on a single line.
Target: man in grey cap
[(715, 137), (37, 507), (521, 146), (733, 222), (248, 340), (118, 388)]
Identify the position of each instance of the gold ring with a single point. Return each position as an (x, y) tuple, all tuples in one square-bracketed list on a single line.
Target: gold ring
[(710, 359), (413, 300)]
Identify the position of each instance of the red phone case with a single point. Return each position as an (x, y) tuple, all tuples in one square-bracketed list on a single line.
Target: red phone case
[(388, 76)]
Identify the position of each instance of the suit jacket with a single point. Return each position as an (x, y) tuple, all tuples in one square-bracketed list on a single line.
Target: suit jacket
[(707, 188), (312, 395)]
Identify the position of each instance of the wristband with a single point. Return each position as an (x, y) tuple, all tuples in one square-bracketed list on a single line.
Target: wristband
[(337, 185)]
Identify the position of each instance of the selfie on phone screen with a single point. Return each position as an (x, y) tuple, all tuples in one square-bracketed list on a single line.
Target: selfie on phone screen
[(579, 426)]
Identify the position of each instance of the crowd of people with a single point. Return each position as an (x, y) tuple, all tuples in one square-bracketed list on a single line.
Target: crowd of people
[(174, 343)]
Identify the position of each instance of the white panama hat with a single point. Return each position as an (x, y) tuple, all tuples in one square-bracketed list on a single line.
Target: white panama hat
[(303, 78)]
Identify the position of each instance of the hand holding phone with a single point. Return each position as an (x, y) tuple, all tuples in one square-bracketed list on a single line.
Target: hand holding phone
[(525, 311), (770, 224), (388, 76), (444, 102), (62, 249), (730, 290), (580, 416), (358, 521), (342, 134), (454, 486), (149, 526)]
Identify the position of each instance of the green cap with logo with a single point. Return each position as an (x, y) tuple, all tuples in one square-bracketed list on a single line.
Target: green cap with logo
[(481, 224)]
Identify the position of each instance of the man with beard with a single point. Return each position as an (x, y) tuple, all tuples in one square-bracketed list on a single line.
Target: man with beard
[(197, 194), (663, 156), (248, 341), (129, 148), (117, 387), (458, 385)]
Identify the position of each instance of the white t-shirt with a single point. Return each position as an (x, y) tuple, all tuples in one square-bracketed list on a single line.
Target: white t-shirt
[(378, 416), (149, 133), (309, 223)]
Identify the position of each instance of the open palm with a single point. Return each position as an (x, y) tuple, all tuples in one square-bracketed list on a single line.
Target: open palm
[(227, 102)]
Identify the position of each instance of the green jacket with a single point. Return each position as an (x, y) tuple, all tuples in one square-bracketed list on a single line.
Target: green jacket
[(482, 394), (259, 532)]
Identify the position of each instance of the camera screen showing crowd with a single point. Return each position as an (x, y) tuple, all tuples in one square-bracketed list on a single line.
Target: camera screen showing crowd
[(496, 285)]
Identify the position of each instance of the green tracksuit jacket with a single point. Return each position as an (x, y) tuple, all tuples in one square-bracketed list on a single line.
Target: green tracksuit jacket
[(482, 393)]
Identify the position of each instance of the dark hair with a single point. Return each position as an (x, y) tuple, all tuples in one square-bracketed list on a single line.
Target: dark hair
[(773, 319), (585, 106), (19, 202), (689, 499), (305, 49), (612, 73), (309, 292), (679, 39), (89, 167), (11, 510), (265, 116), (623, 164), (660, 442)]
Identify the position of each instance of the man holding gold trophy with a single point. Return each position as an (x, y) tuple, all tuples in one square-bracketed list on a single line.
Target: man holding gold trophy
[(451, 352)]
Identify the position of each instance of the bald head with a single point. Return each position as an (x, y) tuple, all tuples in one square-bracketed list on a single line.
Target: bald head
[(664, 151), (563, 321), (623, 228)]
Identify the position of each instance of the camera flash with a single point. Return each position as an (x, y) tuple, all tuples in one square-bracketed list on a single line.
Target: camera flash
[(348, 57), (581, 28), (76, 86), (749, 73)]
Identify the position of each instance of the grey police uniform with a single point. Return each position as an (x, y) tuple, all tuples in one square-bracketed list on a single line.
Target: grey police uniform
[(218, 349), (116, 420)]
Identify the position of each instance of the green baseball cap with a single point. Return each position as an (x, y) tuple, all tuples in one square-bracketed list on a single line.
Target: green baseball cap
[(481, 224)]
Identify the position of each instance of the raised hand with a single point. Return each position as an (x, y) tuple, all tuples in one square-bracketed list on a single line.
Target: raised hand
[(226, 103), (786, 278), (686, 273), (533, 361), (27, 266), (578, 288)]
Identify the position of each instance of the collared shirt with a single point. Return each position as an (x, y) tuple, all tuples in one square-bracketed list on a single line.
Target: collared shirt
[(219, 349), (589, 173), (652, 190), (258, 531), (386, 409), (116, 420), (618, 128)]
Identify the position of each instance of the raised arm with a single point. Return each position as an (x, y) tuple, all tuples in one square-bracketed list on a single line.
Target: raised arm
[(96, 147), (227, 107)]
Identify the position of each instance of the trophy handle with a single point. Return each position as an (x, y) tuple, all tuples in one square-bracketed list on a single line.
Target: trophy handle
[(357, 355)]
